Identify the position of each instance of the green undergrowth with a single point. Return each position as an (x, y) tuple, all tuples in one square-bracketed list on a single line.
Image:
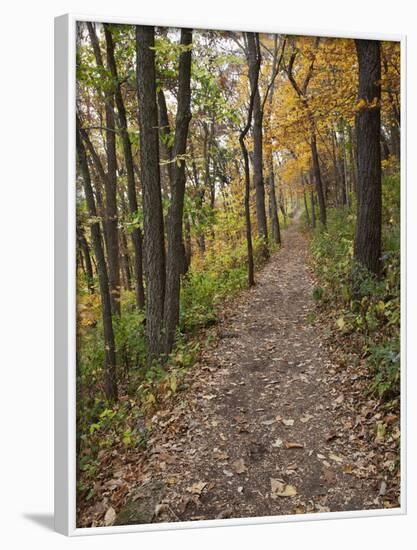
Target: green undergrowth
[(365, 310)]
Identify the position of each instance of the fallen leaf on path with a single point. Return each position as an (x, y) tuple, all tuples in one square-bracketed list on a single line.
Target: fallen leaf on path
[(340, 323), (172, 480), (110, 516), (329, 476), (382, 488), (380, 432), (391, 418), (347, 469), (293, 445), (288, 422), (281, 489), (291, 469), (239, 466), (220, 455), (300, 509), (243, 429), (159, 508), (196, 488), (336, 458), (276, 485)]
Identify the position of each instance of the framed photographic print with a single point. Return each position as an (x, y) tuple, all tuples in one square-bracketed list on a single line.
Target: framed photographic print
[(230, 283)]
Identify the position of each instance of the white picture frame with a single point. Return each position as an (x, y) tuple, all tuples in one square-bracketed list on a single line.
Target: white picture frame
[(65, 288)]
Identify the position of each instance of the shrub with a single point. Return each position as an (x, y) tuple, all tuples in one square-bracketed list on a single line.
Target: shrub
[(362, 305)]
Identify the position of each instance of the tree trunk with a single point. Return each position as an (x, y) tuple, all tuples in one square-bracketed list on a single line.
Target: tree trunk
[(127, 282), (273, 210), (199, 202), (253, 54), (167, 153), (151, 189), (352, 161), (367, 247), (384, 146), (175, 249), (251, 270), (136, 234), (305, 200), (338, 171), (187, 243), (110, 184), (345, 167), (110, 377), (313, 210), (82, 241), (256, 63), (318, 180), (282, 205), (395, 122), (395, 139), (165, 136)]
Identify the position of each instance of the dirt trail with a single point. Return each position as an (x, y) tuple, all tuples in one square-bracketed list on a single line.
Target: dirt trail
[(266, 414)]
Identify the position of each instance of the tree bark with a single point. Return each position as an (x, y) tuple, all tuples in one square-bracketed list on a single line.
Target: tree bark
[(151, 189), (110, 184), (136, 234), (338, 174), (175, 248), (367, 246), (313, 210), (167, 152), (110, 371), (242, 135), (82, 241), (253, 55), (318, 180), (125, 262), (305, 200), (345, 168), (352, 161), (165, 136), (273, 209), (187, 243), (395, 122)]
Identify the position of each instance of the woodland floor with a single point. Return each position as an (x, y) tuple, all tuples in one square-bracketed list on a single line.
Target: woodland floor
[(269, 424)]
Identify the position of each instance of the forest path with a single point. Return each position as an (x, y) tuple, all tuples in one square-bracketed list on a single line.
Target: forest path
[(266, 427)]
